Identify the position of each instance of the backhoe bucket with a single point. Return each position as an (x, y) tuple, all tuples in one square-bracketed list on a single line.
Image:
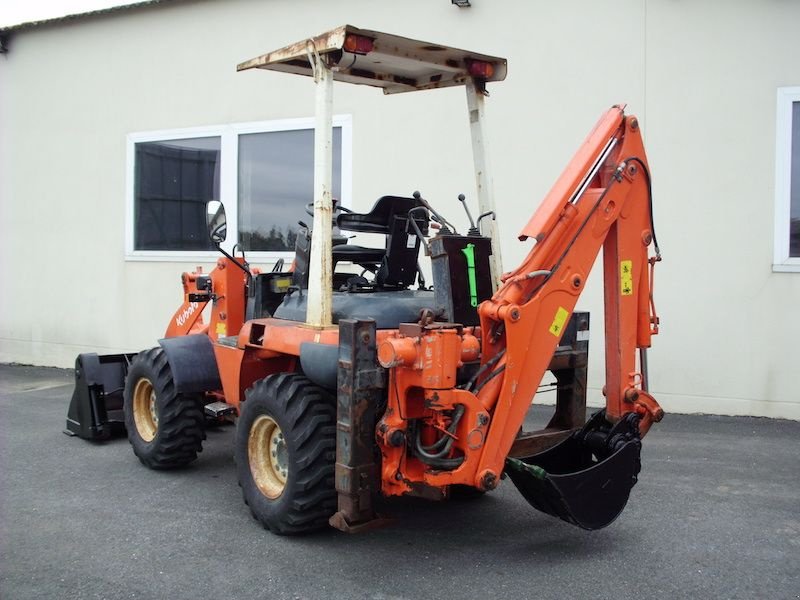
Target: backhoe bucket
[(566, 481), (95, 412)]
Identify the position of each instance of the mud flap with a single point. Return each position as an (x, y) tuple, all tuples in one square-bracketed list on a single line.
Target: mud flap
[(569, 482), (95, 411)]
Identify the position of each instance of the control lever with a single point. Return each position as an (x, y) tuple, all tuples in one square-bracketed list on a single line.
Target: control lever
[(473, 230), (447, 227), (483, 216), (413, 222)]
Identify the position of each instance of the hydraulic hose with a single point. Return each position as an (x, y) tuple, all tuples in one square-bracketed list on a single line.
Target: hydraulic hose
[(434, 455)]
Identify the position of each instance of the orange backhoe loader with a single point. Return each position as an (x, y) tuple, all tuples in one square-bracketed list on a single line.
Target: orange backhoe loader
[(346, 383)]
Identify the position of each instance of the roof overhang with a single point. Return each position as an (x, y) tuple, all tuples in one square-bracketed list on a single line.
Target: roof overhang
[(391, 62), (57, 13)]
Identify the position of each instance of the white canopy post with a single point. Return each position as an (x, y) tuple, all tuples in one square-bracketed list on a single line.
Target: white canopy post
[(483, 179), (320, 276)]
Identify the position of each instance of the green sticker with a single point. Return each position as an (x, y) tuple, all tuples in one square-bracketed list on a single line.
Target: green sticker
[(469, 252)]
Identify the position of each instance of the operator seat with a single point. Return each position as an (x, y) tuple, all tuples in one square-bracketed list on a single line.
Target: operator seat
[(395, 265)]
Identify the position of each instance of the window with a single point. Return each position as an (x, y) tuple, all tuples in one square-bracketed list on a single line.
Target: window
[(174, 180), (276, 177), (787, 181), (262, 172)]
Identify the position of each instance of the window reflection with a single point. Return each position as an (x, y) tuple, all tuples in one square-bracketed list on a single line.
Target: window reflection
[(276, 182)]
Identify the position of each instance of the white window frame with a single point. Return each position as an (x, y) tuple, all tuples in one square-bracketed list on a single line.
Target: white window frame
[(229, 192), (782, 262)]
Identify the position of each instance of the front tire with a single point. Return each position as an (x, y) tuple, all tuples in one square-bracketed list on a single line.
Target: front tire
[(286, 452), (165, 429)]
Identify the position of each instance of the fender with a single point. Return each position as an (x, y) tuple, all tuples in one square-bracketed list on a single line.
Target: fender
[(320, 363), (191, 359)]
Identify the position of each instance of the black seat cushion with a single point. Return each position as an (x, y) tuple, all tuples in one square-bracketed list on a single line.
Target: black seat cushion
[(357, 254)]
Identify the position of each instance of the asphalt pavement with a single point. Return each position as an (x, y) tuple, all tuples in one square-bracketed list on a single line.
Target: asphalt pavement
[(716, 514)]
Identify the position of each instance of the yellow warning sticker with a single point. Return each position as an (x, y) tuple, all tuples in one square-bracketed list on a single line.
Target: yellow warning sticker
[(557, 328), (281, 284), (626, 277), (222, 329)]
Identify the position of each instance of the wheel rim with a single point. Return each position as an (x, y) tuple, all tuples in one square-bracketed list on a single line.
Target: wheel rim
[(268, 455), (145, 413)]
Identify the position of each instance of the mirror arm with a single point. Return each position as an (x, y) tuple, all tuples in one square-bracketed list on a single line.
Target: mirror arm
[(244, 267)]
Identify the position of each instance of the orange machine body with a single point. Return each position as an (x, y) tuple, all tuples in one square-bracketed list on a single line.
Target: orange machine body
[(229, 284)]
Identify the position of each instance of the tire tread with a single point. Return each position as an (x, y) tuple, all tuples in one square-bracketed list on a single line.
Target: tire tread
[(181, 429), (308, 420)]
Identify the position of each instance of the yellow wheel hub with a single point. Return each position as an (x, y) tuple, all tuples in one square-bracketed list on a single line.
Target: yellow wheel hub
[(268, 455), (145, 414)]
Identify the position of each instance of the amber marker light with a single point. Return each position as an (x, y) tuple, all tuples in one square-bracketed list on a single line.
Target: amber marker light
[(480, 69), (358, 44)]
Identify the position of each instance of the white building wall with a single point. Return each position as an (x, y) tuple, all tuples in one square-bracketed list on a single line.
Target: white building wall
[(702, 76)]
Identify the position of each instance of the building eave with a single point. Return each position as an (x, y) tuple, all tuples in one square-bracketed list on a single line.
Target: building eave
[(17, 27)]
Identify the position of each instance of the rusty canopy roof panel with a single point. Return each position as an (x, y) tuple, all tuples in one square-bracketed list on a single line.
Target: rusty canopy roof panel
[(391, 62)]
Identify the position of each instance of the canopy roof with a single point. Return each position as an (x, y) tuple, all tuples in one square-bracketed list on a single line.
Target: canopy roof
[(391, 62)]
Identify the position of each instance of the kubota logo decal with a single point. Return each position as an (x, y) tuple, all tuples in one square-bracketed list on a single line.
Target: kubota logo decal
[(187, 312)]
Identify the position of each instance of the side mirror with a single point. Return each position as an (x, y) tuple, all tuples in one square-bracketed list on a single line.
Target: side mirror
[(216, 221)]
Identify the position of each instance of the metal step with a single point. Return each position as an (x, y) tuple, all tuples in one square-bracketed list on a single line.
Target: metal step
[(219, 409)]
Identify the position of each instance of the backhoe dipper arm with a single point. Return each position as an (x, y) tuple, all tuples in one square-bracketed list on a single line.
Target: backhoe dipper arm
[(602, 199)]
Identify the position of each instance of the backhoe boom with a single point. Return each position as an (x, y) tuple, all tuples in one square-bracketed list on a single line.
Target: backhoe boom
[(602, 200), (436, 433)]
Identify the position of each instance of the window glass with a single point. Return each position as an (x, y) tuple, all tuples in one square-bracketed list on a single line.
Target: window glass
[(794, 213), (173, 181), (276, 182)]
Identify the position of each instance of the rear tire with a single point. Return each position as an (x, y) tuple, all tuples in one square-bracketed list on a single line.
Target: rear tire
[(165, 429), (286, 453)]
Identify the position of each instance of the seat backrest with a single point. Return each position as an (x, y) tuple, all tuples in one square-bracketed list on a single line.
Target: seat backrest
[(399, 266), (379, 219)]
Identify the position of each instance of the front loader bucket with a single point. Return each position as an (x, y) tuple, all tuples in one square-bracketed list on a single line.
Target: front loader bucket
[(95, 412), (567, 482)]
